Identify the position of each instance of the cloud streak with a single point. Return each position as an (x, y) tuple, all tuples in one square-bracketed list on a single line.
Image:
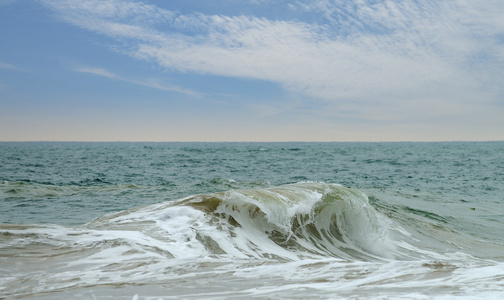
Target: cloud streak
[(360, 55), (13, 68), (150, 83)]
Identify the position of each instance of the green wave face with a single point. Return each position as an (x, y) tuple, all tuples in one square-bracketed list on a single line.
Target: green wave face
[(289, 222)]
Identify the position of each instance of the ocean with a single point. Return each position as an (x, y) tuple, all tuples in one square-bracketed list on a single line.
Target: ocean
[(251, 220)]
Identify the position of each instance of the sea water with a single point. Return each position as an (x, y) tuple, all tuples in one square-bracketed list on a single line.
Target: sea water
[(252, 220)]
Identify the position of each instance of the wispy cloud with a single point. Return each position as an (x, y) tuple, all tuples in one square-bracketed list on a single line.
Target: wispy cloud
[(360, 54), (13, 68), (151, 83), (97, 71)]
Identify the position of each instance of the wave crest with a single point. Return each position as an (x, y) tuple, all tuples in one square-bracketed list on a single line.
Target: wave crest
[(290, 222)]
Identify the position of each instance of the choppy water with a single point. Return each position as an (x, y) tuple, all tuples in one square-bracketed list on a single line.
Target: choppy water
[(251, 220)]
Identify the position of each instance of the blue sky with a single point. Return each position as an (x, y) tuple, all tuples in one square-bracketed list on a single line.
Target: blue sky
[(251, 70)]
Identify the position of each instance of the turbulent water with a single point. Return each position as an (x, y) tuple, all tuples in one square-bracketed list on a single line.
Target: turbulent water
[(252, 220)]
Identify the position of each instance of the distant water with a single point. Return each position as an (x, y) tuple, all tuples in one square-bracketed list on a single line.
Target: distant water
[(252, 220)]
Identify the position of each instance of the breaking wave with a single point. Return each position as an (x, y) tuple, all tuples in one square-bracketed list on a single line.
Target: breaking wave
[(325, 228), (303, 220)]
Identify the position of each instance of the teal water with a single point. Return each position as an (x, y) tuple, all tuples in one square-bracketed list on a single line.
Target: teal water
[(438, 206), (73, 183)]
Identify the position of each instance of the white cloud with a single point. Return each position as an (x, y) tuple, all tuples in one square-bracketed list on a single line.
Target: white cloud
[(151, 83), (392, 56), (97, 71)]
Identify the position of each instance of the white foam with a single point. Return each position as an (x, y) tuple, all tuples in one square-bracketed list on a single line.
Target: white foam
[(231, 252), (116, 258)]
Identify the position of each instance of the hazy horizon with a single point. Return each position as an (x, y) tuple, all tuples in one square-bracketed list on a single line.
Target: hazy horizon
[(252, 142)]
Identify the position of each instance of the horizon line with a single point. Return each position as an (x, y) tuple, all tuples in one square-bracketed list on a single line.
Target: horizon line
[(244, 141)]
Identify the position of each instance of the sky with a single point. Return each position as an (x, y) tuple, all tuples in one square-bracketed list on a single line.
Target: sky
[(251, 70)]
